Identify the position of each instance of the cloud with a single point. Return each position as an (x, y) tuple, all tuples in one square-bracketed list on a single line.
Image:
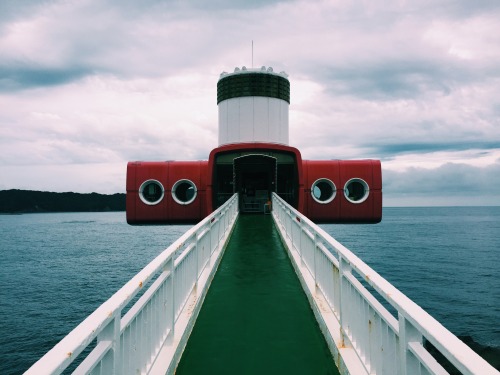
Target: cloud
[(14, 78), (393, 80), (114, 120), (13, 9), (429, 147), (451, 183), (98, 83), (104, 178)]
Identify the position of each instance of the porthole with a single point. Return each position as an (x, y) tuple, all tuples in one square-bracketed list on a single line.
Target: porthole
[(184, 192), (323, 190), (356, 190), (151, 192)]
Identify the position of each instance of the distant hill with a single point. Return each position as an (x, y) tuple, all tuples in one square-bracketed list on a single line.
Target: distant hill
[(28, 201)]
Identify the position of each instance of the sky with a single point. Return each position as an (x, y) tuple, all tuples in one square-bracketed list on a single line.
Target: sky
[(87, 85)]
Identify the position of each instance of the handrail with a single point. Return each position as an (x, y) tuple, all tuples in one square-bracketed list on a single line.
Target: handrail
[(385, 344), (130, 344)]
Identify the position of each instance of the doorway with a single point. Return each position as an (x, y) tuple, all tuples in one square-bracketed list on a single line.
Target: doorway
[(254, 179)]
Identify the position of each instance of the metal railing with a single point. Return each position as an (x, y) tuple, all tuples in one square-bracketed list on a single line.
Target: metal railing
[(384, 343), (131, 344)]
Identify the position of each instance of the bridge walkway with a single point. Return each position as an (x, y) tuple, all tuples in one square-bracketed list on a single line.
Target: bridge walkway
[(256, 318)]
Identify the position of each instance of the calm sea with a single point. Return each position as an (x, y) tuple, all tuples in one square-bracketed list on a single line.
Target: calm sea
[(55, 269)]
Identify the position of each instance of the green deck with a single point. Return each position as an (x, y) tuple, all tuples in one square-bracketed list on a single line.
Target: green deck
[(256, 319)]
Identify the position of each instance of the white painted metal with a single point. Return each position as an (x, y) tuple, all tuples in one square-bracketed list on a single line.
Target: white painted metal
[(364, 337), (150, 337), (253, 119)]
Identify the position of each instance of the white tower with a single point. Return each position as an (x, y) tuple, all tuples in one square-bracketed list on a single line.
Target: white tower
[(253, 106)]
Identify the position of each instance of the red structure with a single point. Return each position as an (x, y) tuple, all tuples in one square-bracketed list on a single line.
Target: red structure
[(327, 191)]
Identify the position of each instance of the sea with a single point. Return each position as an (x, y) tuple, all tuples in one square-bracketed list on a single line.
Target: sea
[(57, 268)]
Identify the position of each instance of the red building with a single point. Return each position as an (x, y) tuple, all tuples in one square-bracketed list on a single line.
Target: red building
[(254, 160)]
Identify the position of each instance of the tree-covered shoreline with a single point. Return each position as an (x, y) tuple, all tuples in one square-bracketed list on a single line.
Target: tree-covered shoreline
[(17, 201)]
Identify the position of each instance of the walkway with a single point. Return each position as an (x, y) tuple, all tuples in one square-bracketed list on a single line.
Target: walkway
[(256, 319)]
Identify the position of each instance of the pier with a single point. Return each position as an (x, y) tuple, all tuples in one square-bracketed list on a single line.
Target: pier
[(361, 335), (256, 318)]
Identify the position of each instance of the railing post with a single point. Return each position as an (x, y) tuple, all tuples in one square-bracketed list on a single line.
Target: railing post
[(301, 250), (197, 262), (170, 267), (219, 236), (111, 361), (210, 246), (315, 248), (344, 268), (408, 333)]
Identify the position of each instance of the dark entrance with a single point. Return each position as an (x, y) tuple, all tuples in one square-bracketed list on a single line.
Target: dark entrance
[(254, 179), (264, 171)]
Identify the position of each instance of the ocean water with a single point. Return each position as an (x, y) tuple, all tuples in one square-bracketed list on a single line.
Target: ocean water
[(55, 269)]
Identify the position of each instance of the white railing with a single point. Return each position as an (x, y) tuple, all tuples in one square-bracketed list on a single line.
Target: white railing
[(383, 343), (131, 344)]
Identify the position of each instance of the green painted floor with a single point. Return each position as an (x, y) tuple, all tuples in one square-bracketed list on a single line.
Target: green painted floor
[(256, 318)]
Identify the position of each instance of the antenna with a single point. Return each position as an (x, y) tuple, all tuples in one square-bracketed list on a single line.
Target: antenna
[(252, 54)]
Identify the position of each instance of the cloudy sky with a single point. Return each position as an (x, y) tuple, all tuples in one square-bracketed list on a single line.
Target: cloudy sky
[(87, 85)]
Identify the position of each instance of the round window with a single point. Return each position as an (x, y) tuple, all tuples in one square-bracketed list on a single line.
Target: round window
[(184, 191), (323, 190), (151, 192), (356, 190)]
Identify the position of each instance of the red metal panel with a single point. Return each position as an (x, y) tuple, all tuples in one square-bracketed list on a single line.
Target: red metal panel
[(313, 171), (377, 175), (377, 206), (185, 170), (131, 197), (302, 189), (138, 211), (167, 210), (377, 191), (370, 210), (205, 210), (340, 209)]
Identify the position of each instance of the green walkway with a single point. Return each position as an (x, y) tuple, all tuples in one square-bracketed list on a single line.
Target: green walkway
[(256, 318)]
